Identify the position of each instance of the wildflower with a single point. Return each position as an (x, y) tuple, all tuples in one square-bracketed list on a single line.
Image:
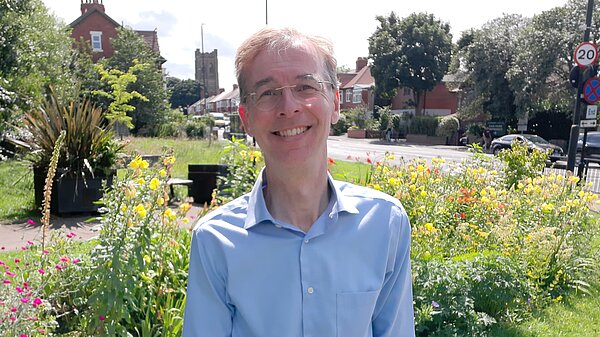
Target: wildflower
[(71, 235), (185, 207), (24, 300), (160, 201), (102, 317), (169, 214), (31, 222), (435, 305), (29, 242), (330, 161), (369, 161), (13, 309), (420, 168), (429, 227), (185, 220), (6, 282), (377, 187), (46, 252), (573, 179), (64, 259), (547, 208), (59, 267), (162, 172), (19, 289), (154, 183), (76, 260), (140, 210), (169, 160), (37, 301), (123, 208), (10, 274), (140, 181), (23, 248), (41, 271), (17, 260)]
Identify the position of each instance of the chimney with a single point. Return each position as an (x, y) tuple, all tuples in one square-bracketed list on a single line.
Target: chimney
[(87, 5), (361, 62)]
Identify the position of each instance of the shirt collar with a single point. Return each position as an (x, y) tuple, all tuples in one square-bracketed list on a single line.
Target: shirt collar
[(257, 207)]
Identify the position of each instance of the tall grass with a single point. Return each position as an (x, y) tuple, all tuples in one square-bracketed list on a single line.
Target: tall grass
[(16, 191)]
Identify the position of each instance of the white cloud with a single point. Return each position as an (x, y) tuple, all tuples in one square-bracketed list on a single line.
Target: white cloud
[(229, 22)]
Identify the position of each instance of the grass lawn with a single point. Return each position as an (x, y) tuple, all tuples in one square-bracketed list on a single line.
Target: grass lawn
[(16, 191)]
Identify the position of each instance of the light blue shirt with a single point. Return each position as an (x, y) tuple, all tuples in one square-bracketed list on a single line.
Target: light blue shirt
[(349, 276)]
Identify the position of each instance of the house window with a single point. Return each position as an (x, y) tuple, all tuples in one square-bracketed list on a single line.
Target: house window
[(348, 95), (96, 41), (357, 96)]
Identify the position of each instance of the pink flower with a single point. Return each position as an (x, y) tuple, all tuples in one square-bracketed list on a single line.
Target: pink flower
[(10, 274), (25, 285), (25, 300), (12, 318), (17, 260), (3, 248), (13, 309), (64, 259), (71, 235), (6, 281), (31, 222), (23, 335), (19, 290), (1, 263), (30, 242), (23, 248), (76, 260), (102, 317), (59, 267), (41, 271), (46, 252), (37, 301)]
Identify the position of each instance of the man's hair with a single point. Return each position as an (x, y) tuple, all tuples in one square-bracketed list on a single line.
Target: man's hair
[(278, 40)]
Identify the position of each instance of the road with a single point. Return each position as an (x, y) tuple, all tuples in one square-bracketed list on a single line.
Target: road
[(344, 148)]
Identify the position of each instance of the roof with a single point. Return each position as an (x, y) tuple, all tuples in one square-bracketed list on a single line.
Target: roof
[(151, 38), (90, 12), (363, 79), (345, 78)]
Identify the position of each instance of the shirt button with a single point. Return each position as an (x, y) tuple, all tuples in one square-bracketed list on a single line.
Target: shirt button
[(306, 241), (310, 290)]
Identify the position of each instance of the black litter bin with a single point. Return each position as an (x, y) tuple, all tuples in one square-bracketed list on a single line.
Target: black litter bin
[(204, 177)]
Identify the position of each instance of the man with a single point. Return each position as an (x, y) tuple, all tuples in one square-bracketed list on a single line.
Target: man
[(301, 254)]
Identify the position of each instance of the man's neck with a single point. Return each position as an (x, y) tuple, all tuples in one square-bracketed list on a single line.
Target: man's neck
[(297, 196)]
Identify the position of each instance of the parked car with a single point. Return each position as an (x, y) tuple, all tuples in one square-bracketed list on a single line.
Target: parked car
[(592, 143), (532, 141)]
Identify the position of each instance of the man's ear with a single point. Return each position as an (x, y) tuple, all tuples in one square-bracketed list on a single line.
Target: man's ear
[(244, 119), (335, 116)]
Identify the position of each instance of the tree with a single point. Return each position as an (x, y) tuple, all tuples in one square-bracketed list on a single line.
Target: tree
[(183, 92), (35, 51), (413, 52), (129, 46), (488, 54)]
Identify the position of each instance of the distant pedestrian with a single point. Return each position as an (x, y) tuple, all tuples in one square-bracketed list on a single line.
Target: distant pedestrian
[(487, 139), (388, 134)]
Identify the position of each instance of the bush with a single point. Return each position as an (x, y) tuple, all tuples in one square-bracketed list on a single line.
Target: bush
[(341, 126), (423, 125), (196, 128)]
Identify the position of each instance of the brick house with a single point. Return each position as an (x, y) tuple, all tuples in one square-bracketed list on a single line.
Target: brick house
[(356, 88), (97, 28)]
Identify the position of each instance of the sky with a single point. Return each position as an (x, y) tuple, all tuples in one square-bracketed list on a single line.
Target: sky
[(227, 23)]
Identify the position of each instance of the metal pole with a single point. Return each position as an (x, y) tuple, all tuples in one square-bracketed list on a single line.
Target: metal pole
[(266, 12), (203, 67), (577, 113)]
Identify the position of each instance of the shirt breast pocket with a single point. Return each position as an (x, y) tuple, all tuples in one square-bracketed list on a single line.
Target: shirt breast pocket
[(354, 313)]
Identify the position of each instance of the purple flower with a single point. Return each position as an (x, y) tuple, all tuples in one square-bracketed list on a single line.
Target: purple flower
[(435, 305)]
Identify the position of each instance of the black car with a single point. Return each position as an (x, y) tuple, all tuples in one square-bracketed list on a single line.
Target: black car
[(532, 141), (592, 143)]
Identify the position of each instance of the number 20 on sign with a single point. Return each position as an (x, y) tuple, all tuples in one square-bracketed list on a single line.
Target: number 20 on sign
[(586, 54)]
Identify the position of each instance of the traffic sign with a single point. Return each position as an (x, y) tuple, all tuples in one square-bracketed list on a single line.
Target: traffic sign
[(585, 54), (588, 123), (591, 111), (591, 90)]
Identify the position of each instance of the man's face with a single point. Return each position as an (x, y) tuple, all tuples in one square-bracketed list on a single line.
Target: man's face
[(293, 127)]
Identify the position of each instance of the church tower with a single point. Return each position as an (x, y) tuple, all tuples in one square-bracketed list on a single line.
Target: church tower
[(210, 72)]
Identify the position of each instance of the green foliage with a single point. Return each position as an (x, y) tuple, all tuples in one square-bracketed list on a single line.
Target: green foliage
[(16, 187), (196, 128), (183, 92), (244, 164), (357, 117), (385, 118), (118, 95), (413, 52), (423, 125), (520, 163), (448, 126), (129, 46), (90, 146), (341, 126), (35, 52), (138, 269)]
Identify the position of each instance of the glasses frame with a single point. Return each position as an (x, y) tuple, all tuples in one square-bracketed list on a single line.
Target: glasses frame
[(279, 90)]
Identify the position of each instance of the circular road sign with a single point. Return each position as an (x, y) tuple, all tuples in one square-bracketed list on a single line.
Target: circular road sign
[(591, 90), (585, 54)]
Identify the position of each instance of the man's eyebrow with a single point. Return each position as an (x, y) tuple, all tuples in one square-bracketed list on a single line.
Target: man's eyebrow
[(262, 82)]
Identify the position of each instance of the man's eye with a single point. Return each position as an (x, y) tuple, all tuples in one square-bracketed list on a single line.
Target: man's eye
[(267, 93), (306, 87)]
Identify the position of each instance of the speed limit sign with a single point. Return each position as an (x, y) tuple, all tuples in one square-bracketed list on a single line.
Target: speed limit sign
[(585, 54)]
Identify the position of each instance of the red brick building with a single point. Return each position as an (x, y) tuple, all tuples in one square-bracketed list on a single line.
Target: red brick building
[(97, 28)]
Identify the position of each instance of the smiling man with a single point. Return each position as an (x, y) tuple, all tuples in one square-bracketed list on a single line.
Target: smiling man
[(301, 254)]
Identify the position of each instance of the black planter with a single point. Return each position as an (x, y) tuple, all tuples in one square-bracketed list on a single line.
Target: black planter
[(70, 194), (204, 177)]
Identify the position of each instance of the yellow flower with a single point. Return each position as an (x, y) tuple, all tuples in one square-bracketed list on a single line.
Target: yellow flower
[(392, 181), (144, 164), (423, 194), (185, 220), (559, 178), (154, 183), (420, 168), (429, 227), (134, 164), (256, 155), (160, 201), (390, 157), (169, 160), (494, 172), (377, 187), (520, 186), (481, 233), (140, 210), (140, 181), (170, 214), (185, 207), (123, 208), (162, 172), (147, 258), (573, 179), (547, 208), (412, 187), (483, 193)]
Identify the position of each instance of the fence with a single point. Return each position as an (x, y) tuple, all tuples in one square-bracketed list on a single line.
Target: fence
[(591, 172)]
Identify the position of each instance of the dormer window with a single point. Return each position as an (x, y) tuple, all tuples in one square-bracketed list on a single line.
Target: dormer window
[(96, 40)]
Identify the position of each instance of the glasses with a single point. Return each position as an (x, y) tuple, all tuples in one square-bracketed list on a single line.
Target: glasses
[(266, 98)]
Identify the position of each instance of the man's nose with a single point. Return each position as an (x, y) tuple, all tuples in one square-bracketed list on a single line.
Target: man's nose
[(288, 103)]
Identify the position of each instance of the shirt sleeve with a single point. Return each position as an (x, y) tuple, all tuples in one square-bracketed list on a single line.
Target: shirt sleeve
[(207, 312), (394, 316)]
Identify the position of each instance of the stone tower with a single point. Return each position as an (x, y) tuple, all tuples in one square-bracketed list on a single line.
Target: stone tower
[(211, 71)]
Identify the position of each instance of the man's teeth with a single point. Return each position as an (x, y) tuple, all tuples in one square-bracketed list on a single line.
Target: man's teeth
[(292, 132)]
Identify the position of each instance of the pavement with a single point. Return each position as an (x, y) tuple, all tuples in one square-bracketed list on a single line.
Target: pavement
[(15, 234)]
